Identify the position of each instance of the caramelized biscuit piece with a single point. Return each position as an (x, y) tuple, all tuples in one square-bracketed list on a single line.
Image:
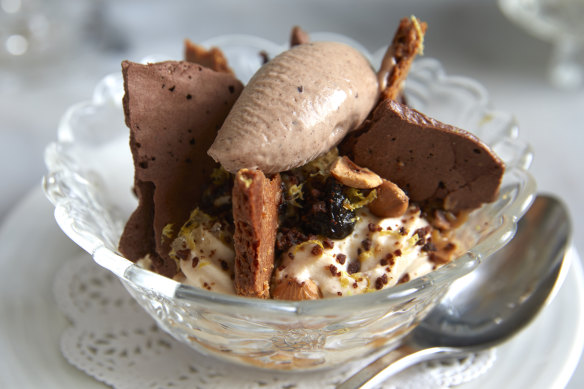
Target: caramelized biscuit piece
[(431, 161), (408, 41), (173, 110), (212, 58), (298, 36), (255, 213)]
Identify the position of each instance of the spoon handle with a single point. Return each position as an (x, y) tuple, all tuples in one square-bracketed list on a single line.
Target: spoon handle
[(392, 363)]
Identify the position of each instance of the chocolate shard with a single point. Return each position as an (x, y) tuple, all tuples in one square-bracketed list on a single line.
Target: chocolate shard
[(432, 162), (173, 110), (407, 42), (298, 36), (212, 58), (255, 212)]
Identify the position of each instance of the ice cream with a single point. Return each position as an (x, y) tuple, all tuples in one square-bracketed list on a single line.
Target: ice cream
[(296, 107)]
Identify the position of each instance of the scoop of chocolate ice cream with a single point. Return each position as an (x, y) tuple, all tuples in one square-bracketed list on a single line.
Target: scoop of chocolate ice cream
[(431, 161), (296, 107)]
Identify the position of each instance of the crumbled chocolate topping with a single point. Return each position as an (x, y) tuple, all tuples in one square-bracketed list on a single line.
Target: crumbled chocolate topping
[(381, 281), (316, 250), (333, 269), (405, 278), (366, 244), (354, 267), (183, 254)]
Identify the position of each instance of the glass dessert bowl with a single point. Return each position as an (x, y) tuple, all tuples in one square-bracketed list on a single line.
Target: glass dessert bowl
[(89, 180)]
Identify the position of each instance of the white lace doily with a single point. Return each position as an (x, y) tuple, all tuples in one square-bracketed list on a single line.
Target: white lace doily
[(113, 340)]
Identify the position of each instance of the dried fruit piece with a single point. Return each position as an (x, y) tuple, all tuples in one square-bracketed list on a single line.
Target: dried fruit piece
[(350, 174), (294, 290), (326, 213), (391, 201)]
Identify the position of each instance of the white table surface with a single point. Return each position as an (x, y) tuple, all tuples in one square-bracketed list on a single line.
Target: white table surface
[(470, 38)]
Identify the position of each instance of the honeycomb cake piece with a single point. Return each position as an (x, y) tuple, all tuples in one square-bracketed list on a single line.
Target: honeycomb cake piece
[(212, 58), (407, 42), (255, 212), (173, 110)]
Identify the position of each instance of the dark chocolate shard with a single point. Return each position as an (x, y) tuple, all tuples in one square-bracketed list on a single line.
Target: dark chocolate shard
[(298, 36), (212, 58), (431, 161), (173, 110), (256, 199)]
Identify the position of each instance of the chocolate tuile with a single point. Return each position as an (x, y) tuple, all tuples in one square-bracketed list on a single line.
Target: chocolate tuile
[(431, 161), (170, 133)]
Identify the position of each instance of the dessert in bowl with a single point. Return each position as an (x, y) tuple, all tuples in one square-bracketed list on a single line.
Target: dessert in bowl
[(91, 173)]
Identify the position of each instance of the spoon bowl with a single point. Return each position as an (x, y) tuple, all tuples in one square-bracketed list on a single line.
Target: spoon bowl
[(491, 304)]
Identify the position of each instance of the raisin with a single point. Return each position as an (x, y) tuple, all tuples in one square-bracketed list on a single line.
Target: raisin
[(326, 214)]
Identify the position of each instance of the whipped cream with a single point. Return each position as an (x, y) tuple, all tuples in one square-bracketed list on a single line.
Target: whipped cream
[(378, 254)]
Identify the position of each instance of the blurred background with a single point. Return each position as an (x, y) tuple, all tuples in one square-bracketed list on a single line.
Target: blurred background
[(527, 55)]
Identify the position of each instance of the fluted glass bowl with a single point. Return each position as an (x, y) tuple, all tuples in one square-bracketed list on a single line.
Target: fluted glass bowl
[(89, 180)]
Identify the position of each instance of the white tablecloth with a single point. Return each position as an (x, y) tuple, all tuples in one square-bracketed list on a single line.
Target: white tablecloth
[(470, 38)]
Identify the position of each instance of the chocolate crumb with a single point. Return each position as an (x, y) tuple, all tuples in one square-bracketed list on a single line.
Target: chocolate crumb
[(183, 254), (333, 269), (405, 278), (316, 250), (195, 261), (341, 258), (366, 244), (429, 246), (381, 281), (328, 243), (354, 267)]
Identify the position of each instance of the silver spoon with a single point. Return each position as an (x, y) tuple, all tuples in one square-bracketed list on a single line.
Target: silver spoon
[(492, 303)]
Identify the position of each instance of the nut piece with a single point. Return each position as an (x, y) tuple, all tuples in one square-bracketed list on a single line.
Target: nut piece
[(350, 174), (391, 201), (293, 290)]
